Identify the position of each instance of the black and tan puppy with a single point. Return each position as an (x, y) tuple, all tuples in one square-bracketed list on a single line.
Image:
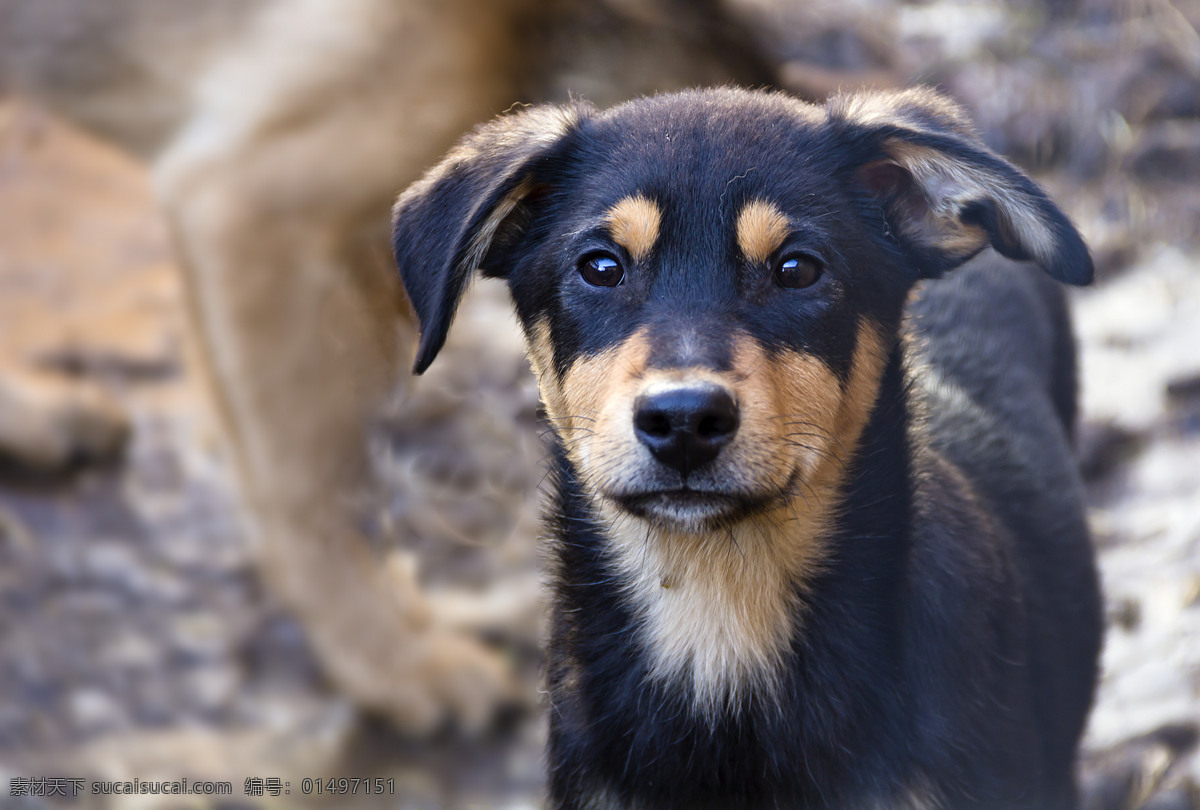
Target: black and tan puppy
[(818, 542)]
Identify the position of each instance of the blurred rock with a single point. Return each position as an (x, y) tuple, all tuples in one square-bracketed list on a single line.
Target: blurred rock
[(1125, 614), (1131, 774), (1103, 446), (1115, 255), (1167, 151), (201, 637), (94, 710), (1184, 387), (1137, 332), (131, 650), (1165, 84), (823, 47), (214, 687), (1184, 796)]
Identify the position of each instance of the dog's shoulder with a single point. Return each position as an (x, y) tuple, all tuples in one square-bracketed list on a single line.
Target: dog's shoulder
[(992, 376)]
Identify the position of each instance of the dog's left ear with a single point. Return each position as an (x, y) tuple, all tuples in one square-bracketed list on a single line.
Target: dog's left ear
[(448, 223), (945, 195)]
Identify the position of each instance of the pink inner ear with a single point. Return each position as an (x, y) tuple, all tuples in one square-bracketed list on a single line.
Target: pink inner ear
[(895, 187), (885, 178)]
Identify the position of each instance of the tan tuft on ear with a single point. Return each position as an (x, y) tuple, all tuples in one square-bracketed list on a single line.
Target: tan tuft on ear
[(917, 108)]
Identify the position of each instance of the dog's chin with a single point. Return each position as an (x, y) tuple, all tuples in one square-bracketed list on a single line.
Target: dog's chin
[(688, 510)]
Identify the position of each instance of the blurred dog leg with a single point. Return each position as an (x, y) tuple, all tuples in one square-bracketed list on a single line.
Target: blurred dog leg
[(279, 132), (277, 195)]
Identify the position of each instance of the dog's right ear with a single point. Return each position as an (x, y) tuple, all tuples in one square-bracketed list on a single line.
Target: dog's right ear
[(445, 224)]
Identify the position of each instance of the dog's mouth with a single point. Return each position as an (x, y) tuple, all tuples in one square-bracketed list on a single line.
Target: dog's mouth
[(693, 509)]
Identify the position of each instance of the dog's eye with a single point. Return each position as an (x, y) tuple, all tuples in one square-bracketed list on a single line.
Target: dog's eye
[(601, 270), (797, 270)]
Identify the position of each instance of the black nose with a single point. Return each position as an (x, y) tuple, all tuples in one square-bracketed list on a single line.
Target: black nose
[(685, 427)]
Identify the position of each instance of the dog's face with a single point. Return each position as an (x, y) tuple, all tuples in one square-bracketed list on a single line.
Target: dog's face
[(704, 346), (711, 286), (710, 283)]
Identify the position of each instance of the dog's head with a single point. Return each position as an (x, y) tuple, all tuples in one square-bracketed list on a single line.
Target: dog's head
[(711, 283)]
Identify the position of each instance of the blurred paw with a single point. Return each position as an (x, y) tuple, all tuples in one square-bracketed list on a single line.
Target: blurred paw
[(427, 683), (474, 687), (380, 642), (50, 425)]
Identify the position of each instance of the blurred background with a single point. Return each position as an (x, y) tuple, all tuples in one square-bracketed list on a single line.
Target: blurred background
[(140, 635)]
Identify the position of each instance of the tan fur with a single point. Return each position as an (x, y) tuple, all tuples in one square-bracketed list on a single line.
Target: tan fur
[(537, 125), (540, 350), (541, 354), (913, 107), (585, 407), (487, 231), (761, 229), (633, 223), (717, 608)]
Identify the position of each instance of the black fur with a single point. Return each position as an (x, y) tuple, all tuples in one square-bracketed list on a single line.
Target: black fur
[(947, 654)]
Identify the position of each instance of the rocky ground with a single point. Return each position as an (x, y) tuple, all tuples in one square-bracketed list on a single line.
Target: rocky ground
[(135, 639)]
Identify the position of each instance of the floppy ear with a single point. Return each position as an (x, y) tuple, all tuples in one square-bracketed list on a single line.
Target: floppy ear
[(944, 194), (444, 225)]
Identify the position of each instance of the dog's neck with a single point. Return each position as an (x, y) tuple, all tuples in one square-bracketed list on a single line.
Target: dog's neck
[(719, 613)]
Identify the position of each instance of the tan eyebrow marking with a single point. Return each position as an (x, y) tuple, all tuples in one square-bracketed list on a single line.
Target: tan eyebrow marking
[(634, 224), (761, 229)]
